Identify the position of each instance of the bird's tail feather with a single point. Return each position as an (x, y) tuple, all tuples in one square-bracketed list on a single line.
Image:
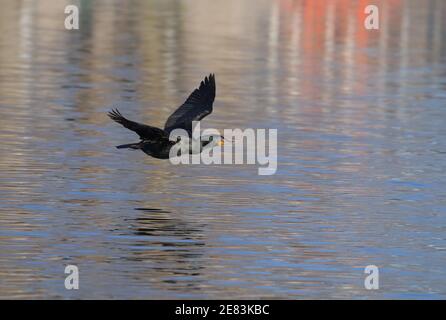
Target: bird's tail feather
[(130, 146)]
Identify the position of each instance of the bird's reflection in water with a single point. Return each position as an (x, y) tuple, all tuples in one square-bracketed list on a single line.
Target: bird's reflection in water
[(153, 210), (173, 248)]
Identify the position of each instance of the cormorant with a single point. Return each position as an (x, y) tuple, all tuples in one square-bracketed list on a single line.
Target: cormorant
[(155, 142)]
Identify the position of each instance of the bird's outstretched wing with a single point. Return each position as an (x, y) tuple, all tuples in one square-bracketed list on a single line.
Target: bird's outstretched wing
[(196, 107), (145, 132)]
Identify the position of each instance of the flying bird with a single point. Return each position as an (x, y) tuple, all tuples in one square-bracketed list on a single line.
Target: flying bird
[(155, 141)]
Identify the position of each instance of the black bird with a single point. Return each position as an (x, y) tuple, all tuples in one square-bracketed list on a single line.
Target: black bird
[(155, 142)]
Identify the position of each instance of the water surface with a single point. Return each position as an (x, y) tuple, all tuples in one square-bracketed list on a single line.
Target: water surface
[(361, 124)]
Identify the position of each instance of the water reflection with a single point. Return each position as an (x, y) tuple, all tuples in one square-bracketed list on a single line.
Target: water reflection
[(361, 153), (173, 247)]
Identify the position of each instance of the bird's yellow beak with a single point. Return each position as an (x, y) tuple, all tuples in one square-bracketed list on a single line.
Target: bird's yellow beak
[(220, 143)]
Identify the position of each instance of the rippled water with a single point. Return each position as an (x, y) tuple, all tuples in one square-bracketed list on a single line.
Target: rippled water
[(361, 125)]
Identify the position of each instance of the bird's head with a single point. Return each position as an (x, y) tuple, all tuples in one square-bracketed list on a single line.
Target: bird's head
[(212, 140)]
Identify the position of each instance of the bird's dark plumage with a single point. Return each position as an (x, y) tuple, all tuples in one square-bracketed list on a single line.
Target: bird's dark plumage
[(197, 106), (145, 132), (154, 141)]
